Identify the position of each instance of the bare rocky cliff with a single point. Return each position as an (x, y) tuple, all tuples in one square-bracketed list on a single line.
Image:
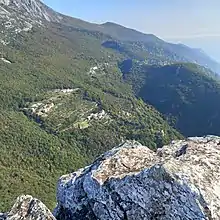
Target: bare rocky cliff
[(180, 181)]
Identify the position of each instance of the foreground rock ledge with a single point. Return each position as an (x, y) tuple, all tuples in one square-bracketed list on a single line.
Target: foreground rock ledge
[(179, 181), (28, 208)]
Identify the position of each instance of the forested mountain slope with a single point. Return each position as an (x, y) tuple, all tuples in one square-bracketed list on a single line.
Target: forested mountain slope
[(151, 49), (189, 95), (62, 100)]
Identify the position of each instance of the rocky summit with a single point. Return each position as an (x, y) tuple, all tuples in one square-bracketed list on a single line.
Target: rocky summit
[(178, 182)]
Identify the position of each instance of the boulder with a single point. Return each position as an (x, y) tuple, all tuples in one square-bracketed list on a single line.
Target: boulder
[(180, 181), (28, 208)]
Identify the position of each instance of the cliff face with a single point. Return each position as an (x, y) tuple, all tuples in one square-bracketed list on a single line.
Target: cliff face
[(178, 182)]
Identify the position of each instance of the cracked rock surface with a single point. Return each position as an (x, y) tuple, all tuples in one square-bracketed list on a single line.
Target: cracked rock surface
[(28, 208), (180, 181)]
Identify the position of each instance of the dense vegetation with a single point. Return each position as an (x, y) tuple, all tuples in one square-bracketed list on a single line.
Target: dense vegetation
[(31, 159), (189, 95), (72, 90), (36, 149)]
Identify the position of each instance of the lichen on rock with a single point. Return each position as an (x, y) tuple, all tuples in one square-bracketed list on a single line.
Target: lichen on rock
[(179, 181)]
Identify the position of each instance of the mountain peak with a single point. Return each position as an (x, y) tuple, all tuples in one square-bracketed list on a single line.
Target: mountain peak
[(30, 9), (20, 15), (109, 23)]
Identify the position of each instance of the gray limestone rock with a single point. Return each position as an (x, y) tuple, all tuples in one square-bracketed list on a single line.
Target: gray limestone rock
[(28, 208), (180, 181)]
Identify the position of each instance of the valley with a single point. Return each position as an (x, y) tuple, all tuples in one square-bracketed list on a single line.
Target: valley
[(71, 90)]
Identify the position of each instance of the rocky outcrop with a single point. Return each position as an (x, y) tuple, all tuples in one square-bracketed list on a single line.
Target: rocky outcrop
[(28, 208), (34, 9), (17, 16), (179, 181)]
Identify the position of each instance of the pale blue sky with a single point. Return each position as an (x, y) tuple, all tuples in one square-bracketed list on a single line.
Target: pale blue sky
[(194, 22)]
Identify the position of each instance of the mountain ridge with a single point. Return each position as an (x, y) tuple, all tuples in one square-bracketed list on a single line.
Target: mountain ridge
[(149, 42), (179, 90), (63, 102)]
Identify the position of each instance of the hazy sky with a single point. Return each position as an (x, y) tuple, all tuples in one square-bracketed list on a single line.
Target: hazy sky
[(194, 22)]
